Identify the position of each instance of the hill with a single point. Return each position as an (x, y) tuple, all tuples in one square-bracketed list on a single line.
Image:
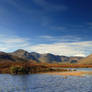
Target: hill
[(86, 60), (7, 57)]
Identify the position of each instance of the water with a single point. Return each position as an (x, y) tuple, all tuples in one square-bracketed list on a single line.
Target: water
[(84, 69), (78, 69), (44, 83)]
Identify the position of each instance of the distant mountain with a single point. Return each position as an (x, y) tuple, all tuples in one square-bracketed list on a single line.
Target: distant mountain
[(22, 55), (75, 59), (7, 57), (86, 60), (36, 55), (51, 58)]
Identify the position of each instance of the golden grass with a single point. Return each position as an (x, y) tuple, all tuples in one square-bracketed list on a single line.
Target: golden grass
[(70, 73), (43, 67)]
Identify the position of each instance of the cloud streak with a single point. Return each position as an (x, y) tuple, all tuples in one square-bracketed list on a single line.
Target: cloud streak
[(9, 43), (68, 49), (67, 38), (49, 6), (62, 47)]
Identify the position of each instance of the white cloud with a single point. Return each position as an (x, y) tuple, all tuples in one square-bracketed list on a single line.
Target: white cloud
[(80, 55), (9, 43), (67, 38), (64, 47), (68, 49), (47, 37)]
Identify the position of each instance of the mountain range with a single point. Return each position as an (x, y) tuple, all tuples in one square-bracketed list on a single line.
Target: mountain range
[(22, 55)]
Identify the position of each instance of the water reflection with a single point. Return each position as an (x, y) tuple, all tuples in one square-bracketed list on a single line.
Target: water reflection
[(44, 83)]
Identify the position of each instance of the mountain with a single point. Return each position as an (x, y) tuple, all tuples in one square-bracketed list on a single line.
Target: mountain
[(7, 57), (51, 58), (86, 60), (48, 58), (75, 59), (36, 55), (22, 55)]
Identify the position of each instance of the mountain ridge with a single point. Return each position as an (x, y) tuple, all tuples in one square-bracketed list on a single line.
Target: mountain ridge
[(24, 55), (47, 57)]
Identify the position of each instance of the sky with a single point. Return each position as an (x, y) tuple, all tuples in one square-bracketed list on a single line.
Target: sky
[(61, 27)]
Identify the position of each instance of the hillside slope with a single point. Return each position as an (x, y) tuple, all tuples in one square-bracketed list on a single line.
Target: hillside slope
[(24, 54), (7, 57), (86, 60)]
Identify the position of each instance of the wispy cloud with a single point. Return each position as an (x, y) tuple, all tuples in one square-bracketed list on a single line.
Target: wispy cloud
[(12, 42), (66, 38), (45, 21), (58, 28), (63, 47), (47, 37), (17, 5), (69, 49), (45, 5), (66, 45), (76, 26), (89, 23), (49, 6), (22, 7)]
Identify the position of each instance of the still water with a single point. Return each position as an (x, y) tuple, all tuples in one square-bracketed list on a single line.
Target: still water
[(44, 83)]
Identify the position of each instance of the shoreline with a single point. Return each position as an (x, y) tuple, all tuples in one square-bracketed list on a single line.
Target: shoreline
[(71, 73)]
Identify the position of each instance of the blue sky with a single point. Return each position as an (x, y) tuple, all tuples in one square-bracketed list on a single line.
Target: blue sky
[(62, 27)]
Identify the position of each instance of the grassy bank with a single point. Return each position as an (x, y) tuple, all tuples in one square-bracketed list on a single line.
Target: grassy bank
[(73, 73), (26, 68), (29, 67)]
